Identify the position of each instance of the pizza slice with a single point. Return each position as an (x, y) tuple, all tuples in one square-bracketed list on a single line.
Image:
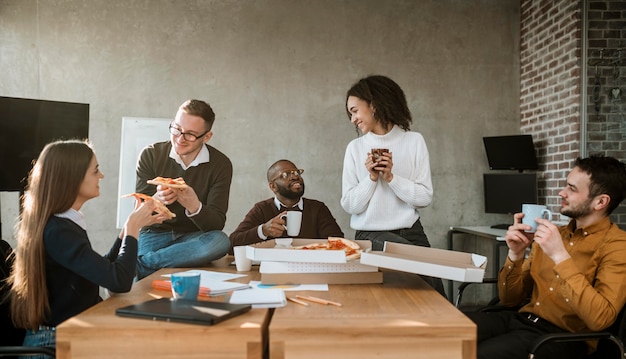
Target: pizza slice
[(351, 248), (160, 207), (168, 182)]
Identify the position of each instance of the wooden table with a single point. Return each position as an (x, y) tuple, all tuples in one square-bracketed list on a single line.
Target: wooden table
[(403, 317), (99, 333)]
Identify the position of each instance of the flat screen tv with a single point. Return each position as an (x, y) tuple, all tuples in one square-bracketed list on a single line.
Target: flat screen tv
[(26, 126), (506, 192), (516, 152)]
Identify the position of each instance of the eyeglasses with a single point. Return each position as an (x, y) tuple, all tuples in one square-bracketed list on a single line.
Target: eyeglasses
[(175, 131), (288, 174)]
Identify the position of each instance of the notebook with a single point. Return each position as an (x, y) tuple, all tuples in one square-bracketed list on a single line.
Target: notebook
[(260, 298), (184, 311)]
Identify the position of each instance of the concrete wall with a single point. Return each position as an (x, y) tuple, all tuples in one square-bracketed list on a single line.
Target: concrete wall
[(276, 73)]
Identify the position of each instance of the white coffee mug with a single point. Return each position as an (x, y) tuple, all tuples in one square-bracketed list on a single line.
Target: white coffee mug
[(532, 212), (242, 262), (294, 221)]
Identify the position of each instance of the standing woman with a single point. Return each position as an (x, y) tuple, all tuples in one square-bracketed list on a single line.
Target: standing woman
[(56, 273), (384, 193)]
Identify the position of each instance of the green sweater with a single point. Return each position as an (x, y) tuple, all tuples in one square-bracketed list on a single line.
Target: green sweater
[(211, 182)]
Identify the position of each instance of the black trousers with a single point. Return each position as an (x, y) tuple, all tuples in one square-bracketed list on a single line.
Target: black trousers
[(511, 334)]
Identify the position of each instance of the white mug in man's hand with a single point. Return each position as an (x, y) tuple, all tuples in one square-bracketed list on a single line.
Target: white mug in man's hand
[(532, 212), (294, 221)]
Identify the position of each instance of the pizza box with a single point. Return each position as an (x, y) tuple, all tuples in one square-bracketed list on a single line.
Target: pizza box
[(279, 250), (353, 266), (322, 278), (440, 263)]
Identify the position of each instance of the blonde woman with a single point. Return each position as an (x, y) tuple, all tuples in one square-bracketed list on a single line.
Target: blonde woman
[(56, 273)]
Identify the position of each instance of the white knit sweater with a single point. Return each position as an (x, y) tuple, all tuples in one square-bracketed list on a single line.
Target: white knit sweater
[(382, 206)]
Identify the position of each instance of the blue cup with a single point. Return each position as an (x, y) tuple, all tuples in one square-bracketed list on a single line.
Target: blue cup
[(185, 285)]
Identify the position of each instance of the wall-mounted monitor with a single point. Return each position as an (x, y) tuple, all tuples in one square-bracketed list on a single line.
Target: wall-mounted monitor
[(26, 126), (516, 152), (506, 192)]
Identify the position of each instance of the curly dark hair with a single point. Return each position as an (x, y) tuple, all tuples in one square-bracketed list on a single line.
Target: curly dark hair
[(386, 97), (607, 175)]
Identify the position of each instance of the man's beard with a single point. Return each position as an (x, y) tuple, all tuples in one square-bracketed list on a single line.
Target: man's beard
[(287, 193), (579, 211)]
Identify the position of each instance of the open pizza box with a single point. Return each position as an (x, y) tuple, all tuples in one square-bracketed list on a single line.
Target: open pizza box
[(279, 250), (280, 264), (440, 263)]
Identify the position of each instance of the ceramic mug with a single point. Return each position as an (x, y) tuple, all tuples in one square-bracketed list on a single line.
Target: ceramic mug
[(532, 212), (294, 221), (185, 285)]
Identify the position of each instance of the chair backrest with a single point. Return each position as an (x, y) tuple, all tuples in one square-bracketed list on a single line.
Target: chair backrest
[(12, 338), (10, 335), (608, 348)]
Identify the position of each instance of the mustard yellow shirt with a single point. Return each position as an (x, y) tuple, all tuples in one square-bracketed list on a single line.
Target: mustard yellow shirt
[(581, 294)]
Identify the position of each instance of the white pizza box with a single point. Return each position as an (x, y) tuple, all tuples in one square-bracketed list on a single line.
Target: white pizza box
[(278, 250), (434, 262), (353, 266), (322, 278)]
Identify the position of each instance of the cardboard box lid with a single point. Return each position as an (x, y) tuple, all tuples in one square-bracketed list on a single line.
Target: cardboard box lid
[(269, 251), (434, 262)]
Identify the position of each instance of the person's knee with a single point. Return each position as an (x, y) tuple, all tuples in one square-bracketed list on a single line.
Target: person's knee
[(217, 242)]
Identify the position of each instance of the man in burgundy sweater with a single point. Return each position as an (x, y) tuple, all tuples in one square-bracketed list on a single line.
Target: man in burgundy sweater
[(264, 221)]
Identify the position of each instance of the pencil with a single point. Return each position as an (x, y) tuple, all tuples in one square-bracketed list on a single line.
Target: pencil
[(298, 301), (319, 300)]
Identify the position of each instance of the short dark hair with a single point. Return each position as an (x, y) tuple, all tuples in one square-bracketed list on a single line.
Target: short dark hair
[(386, 97), (271, 171), (201, 109), (607, 176)]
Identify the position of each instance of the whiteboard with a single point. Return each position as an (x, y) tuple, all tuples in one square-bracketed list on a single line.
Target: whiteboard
[(137, 133)]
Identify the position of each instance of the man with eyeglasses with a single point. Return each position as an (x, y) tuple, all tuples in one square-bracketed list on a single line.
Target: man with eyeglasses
[(264, 221), (194, 237)]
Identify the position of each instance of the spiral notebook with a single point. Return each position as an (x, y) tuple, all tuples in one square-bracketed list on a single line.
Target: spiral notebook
[(184, 311)]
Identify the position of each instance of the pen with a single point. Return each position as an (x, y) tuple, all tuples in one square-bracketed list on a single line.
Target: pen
[(298, 301), (319, 300)]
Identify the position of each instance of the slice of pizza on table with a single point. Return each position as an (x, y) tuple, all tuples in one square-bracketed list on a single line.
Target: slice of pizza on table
[(159, 206), (178, 183)]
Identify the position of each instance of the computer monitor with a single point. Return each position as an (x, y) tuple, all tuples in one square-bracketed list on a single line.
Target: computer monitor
[(26, 126), (515, 152), (506, 192)]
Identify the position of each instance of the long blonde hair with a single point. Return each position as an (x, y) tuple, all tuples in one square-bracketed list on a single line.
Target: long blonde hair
[(53, 186)]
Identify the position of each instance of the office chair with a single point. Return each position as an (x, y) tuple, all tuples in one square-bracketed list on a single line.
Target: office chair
[(610, 341), (12, 338)]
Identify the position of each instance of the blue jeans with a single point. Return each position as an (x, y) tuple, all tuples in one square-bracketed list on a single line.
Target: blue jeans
[(44, 337), (171, 249), (413, 236)]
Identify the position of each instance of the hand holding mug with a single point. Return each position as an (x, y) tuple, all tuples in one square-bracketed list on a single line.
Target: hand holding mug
[(275, 226), (517, 239)]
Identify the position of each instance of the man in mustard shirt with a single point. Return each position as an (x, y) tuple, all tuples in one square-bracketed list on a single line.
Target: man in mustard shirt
[(575, 275)]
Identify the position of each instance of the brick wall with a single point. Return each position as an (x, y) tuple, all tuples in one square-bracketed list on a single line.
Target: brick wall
[(550, 89), (606, 83)]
